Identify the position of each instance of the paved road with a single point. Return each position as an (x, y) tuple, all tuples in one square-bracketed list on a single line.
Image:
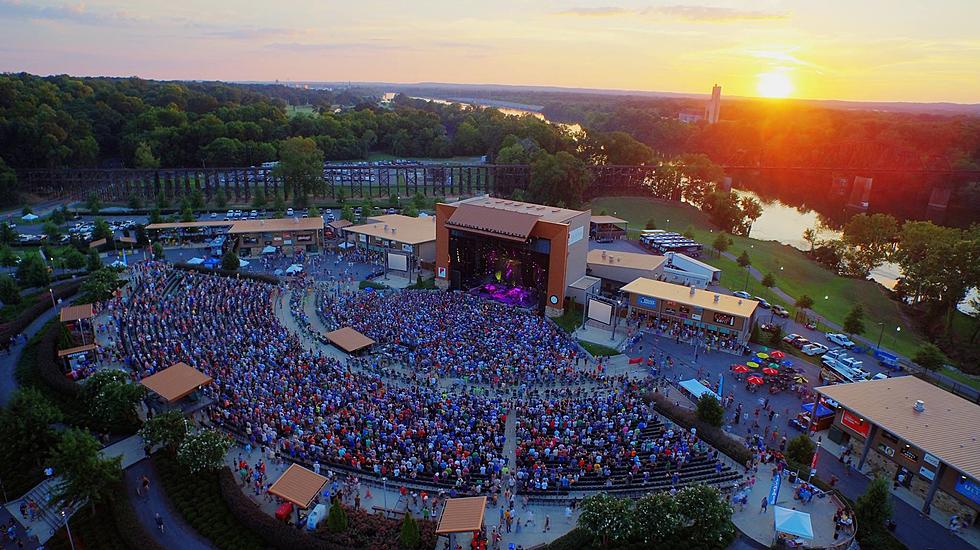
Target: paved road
[(8, 362), (176, 533), (916, 530)]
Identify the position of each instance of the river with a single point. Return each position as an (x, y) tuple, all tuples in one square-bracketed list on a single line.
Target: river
[(511, 109)]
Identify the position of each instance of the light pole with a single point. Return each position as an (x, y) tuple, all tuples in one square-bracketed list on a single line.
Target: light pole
[(51, 293), (71, 541), (880, 334), (384, 491)]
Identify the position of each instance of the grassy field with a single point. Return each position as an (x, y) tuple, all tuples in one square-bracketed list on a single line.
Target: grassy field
[(293, 110), (795, 274)]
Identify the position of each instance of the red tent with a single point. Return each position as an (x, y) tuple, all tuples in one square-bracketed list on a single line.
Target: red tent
[(755, 380)]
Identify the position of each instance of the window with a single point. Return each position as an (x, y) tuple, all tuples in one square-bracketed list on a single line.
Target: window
[(889, 436)]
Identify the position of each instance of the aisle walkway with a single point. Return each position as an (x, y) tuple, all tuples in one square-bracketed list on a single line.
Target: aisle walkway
[(176, 533), (8, 361)]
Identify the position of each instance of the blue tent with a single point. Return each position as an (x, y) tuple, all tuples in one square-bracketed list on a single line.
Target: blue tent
[(821, 410), (792, 522)]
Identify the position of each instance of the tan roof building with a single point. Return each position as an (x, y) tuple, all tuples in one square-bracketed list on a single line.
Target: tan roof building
[(539, 211), (397, 228), (188, 225), (630, 260), (714, 301), (611, 220), (74, 313), (176, 382), (462, 515), (349, 339), (276, 225), (298, 485)]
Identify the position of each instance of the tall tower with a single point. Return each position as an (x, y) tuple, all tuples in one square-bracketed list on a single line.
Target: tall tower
[(713, 110)]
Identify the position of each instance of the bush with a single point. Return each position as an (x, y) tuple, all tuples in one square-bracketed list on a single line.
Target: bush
[(410, 536), (230, 262), (371, 284), (28, 316), (711, 435), (9, 291), (801, 449), (337, 517), (710, 410)]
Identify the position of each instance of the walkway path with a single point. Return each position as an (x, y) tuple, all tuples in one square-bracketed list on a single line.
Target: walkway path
[(8, 361), (176, 533)]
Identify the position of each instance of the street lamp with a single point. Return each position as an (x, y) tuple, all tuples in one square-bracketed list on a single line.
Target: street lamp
[(51, 293), (71, 541), (384, 491)]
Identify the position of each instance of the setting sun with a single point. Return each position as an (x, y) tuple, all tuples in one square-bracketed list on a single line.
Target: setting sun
[(774, 84)]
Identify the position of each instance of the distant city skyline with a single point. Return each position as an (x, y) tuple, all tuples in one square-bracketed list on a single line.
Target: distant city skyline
[(870, 50)]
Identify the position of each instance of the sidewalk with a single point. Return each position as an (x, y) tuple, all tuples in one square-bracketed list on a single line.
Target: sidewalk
[(176, 533)]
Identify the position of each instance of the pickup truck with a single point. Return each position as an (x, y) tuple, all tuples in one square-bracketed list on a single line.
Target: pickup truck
[(814, 348), (841, 340), (780, 311)]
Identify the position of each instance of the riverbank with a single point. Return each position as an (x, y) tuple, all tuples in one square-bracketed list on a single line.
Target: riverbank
[(795, 274)]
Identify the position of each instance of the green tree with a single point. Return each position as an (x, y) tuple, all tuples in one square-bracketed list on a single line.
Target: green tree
[(8, 184), (743, 259), (755, 335), (230, 262), (220, 198), (93, 204), (9, 291), (300, 166), (873, 510), (99, 286), (155, 216), (258, 199), (168, 429), (707, 517), (710, 410), (410, 536), (162, 201), (720, 243), (337, 517), (94, 261), (801, 449), (101, 230), (768, 280), (930, 357), (57, 216), (111, 399), (7, 234), (158, 251), (73, 259), (606, 517), (410, 211), (655, 519), (558, 179), (279, 205), (854, 322), (616, 148), (26, 424), (776, 336), (187, 214), (52, 231), (699, 174), (314, 212), (869, 239), (347, 213), (32, 271), (84, 474), (651, 224), (134, 202), (197, 199), (803, 303), (7, 256), (203, 451), (368, 210), (143, 157), (810, 236)]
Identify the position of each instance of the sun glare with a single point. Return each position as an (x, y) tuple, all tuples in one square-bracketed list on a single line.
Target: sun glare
[(774, 84)]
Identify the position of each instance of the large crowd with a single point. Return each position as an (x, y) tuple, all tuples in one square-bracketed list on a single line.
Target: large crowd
[(457, 335)]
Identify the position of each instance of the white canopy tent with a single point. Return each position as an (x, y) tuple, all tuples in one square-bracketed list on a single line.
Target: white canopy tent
[(295, 268), (195, 261), (345, 245), (697, 389), (793, 522), (29, 217), (242, 263), (269, 250)]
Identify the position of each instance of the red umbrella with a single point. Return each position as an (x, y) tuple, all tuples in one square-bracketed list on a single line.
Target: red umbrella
[(740, 369), (756, 380), (770, 371), (777, 355)]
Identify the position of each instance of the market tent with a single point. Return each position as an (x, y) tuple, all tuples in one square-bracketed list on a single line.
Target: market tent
[(195, 261), (345, 245), (74, 313), (293, 269), (176, 382), (298, 485), (242, 263), (697, 389), (269, 250), (462, 515), (792, 522), (349, 339), (29, 217)]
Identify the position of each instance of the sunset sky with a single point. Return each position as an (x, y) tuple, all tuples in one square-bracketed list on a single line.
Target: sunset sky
[(829, 49)]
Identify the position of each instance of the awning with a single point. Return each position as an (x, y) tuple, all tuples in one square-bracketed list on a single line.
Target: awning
[(74, 313), (176, 382), (349, 339), (96, 244), (195, 261), (269, 250), (242, 263), (697, 389), (792, 522), (496, 222), (345, 245), (77, 349), (611, 220), (298, 485), (127, 240), (462, 515), (339, 224)]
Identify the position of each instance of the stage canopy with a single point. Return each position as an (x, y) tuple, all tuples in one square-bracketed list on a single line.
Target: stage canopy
[(349, 339), (793, 522), (195, 261), (611, 220), (78, 349), (74, 313), (269, 250), (298, 485), (697, 389), (176, 382), (505, 224), (462, 515)]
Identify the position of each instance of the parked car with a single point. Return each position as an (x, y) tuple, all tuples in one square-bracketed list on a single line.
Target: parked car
[(762, 302), (790, 338), (800, 342), (289, 211), (742, 294), (253, 214), (840, 339), (214, 215), (780, 311), (814, 348)]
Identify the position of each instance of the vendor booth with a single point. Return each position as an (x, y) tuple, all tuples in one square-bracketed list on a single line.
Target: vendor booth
[(793, 528), (297, 486)]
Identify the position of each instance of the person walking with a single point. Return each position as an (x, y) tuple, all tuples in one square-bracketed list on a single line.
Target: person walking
[(159, 520), (765, 505)]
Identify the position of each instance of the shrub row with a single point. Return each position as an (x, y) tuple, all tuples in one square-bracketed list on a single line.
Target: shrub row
[(17, 326), (261, 277), (714, 436), (197, 498), (47, 364)]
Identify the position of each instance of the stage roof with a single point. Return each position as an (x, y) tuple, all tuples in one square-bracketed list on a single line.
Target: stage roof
[(631, 260), (398, 228), (731, 305), (941, 429), (349, 339), (542, 212), (77, 349), (176, 381), (608, 220), (127, 240), (462, 515), (504, 224), (96, 244), (74, 313), (298, 485)]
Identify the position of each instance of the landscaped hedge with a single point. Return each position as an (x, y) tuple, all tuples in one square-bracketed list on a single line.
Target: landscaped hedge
[(131, 531), (714, 436), (48, 367), (28, 316), (261, 277), (197, 498)]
